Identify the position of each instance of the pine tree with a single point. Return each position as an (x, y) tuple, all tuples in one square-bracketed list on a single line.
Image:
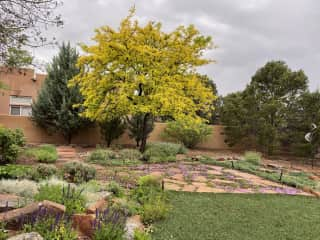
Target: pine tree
[(112, 129), (259, 114), (55, 108)]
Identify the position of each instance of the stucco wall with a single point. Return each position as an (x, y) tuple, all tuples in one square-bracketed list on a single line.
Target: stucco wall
[(91, 136), (22, 82)]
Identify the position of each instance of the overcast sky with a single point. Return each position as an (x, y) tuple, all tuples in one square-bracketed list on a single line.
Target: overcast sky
[(248, 33)]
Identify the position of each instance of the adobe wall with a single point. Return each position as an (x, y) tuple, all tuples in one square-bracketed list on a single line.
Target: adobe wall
[(91, 135), (21, 82)]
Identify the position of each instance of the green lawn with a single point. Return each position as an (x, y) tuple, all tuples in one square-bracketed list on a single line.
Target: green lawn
[(207, 216)]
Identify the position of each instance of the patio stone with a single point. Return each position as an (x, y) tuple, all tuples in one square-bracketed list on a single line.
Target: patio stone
[(172, 186), (178, 177), (27, 236), (200, 179), (189, 188)]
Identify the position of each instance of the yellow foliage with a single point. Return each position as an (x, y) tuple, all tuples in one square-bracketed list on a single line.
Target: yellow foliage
[(141, 69)]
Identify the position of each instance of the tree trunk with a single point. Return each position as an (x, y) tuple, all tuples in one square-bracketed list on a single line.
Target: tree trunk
[(69, 138), (109, 143), (144, 133)]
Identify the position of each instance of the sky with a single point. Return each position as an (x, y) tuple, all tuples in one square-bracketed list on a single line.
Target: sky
[(246, 33)]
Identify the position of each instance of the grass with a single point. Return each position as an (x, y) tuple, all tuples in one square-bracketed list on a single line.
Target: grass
[(44, 154), (207, 216), (294, 179)]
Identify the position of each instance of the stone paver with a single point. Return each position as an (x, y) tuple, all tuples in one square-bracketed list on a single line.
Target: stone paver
[(197, 177)]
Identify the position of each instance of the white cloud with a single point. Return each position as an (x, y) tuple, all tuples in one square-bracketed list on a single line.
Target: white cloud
[(247, 32)]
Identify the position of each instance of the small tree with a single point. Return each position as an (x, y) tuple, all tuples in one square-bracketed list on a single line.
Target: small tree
[(140, 126), (112, 129), (141, 70), (189, 133), (55, 108)]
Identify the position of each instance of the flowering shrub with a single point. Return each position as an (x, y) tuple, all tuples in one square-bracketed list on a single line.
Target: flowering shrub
[(68, 196), (188, 132), (109, 225), (49, 225)]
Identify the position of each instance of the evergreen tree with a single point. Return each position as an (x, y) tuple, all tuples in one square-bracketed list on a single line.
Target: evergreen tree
[(55, 108), (260, 113), (305, 113), (112, 129)]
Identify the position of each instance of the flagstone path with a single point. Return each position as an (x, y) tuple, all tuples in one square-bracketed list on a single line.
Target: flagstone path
[(198, 177)]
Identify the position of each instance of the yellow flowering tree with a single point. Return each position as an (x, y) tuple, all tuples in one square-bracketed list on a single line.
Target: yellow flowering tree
[(144, 70)]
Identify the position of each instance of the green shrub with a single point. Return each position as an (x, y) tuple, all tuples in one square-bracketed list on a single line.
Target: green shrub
[(11, 142), (3, 233), (147, 187), (125, 207), (78, 172), (130, 155), (153, 200), (44, 154), (190, 133), (44, 171), (141, 235), (163, 152), (101, 156), (115, 188), (107, 157), (12, 171), (149, 181), (69, 196), (253, 157), (154, 210)]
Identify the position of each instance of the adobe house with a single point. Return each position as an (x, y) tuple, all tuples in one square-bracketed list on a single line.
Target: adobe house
[(23, 86)]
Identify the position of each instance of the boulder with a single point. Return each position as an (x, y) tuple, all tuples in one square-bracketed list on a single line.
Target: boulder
[(13, 215), (83, 223), (100, 205), (9, 201), (132, 224), (27, 236)]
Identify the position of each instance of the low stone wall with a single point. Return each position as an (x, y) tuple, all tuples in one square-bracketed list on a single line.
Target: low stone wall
[(91, 135)]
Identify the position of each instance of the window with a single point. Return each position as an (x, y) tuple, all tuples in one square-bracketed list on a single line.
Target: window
[(15, 110), (20, 106)]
